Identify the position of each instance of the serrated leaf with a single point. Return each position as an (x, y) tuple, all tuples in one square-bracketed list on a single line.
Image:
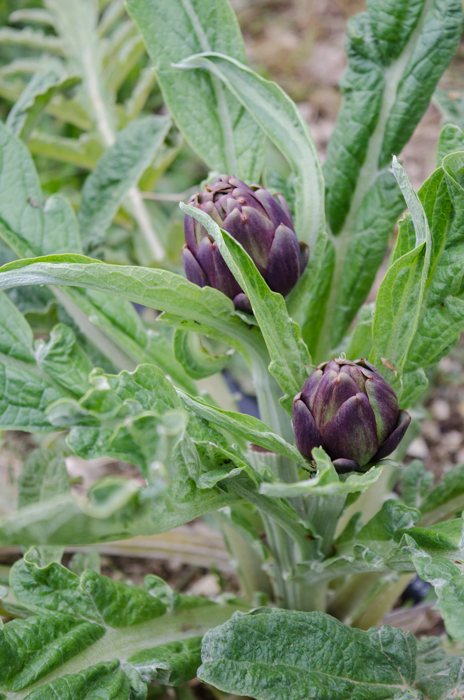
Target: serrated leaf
[(285, 655), (442, 315), (415, 481), (448, 581), (119, 169), (396, 54), (31, 39), (213, 121), (128, 637)]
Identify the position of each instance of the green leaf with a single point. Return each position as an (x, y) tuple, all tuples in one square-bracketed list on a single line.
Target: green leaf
[(16, 338), (128, 637), (28, 225), (415, 481), (326, 482), (197, 360), (120, 322), (169, 664), (399, 303), (24, 398), (63, 359), (396, 55), (212, 120), (360, 343), (246, 427), (285, 655), (116, 509), (448, 581), (283, 124), (35, 97), (290, 359), (42, 477), (451, 107), (82, 152), (451, 140), (446, 498), (157, 289), (119, 169), (442, 315), (31, 39)]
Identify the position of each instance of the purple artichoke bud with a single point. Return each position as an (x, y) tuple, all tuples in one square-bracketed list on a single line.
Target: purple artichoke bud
[(348, 409), (258, 220)]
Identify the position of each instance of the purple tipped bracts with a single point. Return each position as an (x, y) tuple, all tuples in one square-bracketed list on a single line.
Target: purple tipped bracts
[(348, 409), (260, 221)]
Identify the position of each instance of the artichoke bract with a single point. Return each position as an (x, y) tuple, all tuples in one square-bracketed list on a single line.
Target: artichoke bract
[(260, 221), (348, 409)]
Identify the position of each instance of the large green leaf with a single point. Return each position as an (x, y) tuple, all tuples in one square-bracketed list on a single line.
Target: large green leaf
[(286, 655), (119, 169), (127, 634), (214, 122), (396, 54), (158, 289)]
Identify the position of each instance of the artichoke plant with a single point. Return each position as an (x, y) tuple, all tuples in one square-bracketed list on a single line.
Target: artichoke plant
[(348, 409), (260, 221)]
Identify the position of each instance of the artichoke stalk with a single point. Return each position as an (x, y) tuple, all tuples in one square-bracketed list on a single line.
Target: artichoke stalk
[(348, 409), (260, 221)]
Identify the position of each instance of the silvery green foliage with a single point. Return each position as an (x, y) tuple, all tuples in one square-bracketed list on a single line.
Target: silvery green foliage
[(277, 654), (308, 529)]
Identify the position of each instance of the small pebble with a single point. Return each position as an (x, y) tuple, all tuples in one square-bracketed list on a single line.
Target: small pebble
[(431, 431), (440, 409), (452, 440), (418, 448), (208, 586)]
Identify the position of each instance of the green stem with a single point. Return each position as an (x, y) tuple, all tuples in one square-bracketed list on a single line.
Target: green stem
[(381, 601), (247, 561), (276, 509), (268, 394)]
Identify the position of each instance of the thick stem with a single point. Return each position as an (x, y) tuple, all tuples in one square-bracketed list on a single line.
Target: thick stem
[(247, 562), (381, 601), (268, 394)]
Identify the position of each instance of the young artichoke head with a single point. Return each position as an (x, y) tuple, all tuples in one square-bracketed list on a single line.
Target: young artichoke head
[(348, 409), (260, 221)]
